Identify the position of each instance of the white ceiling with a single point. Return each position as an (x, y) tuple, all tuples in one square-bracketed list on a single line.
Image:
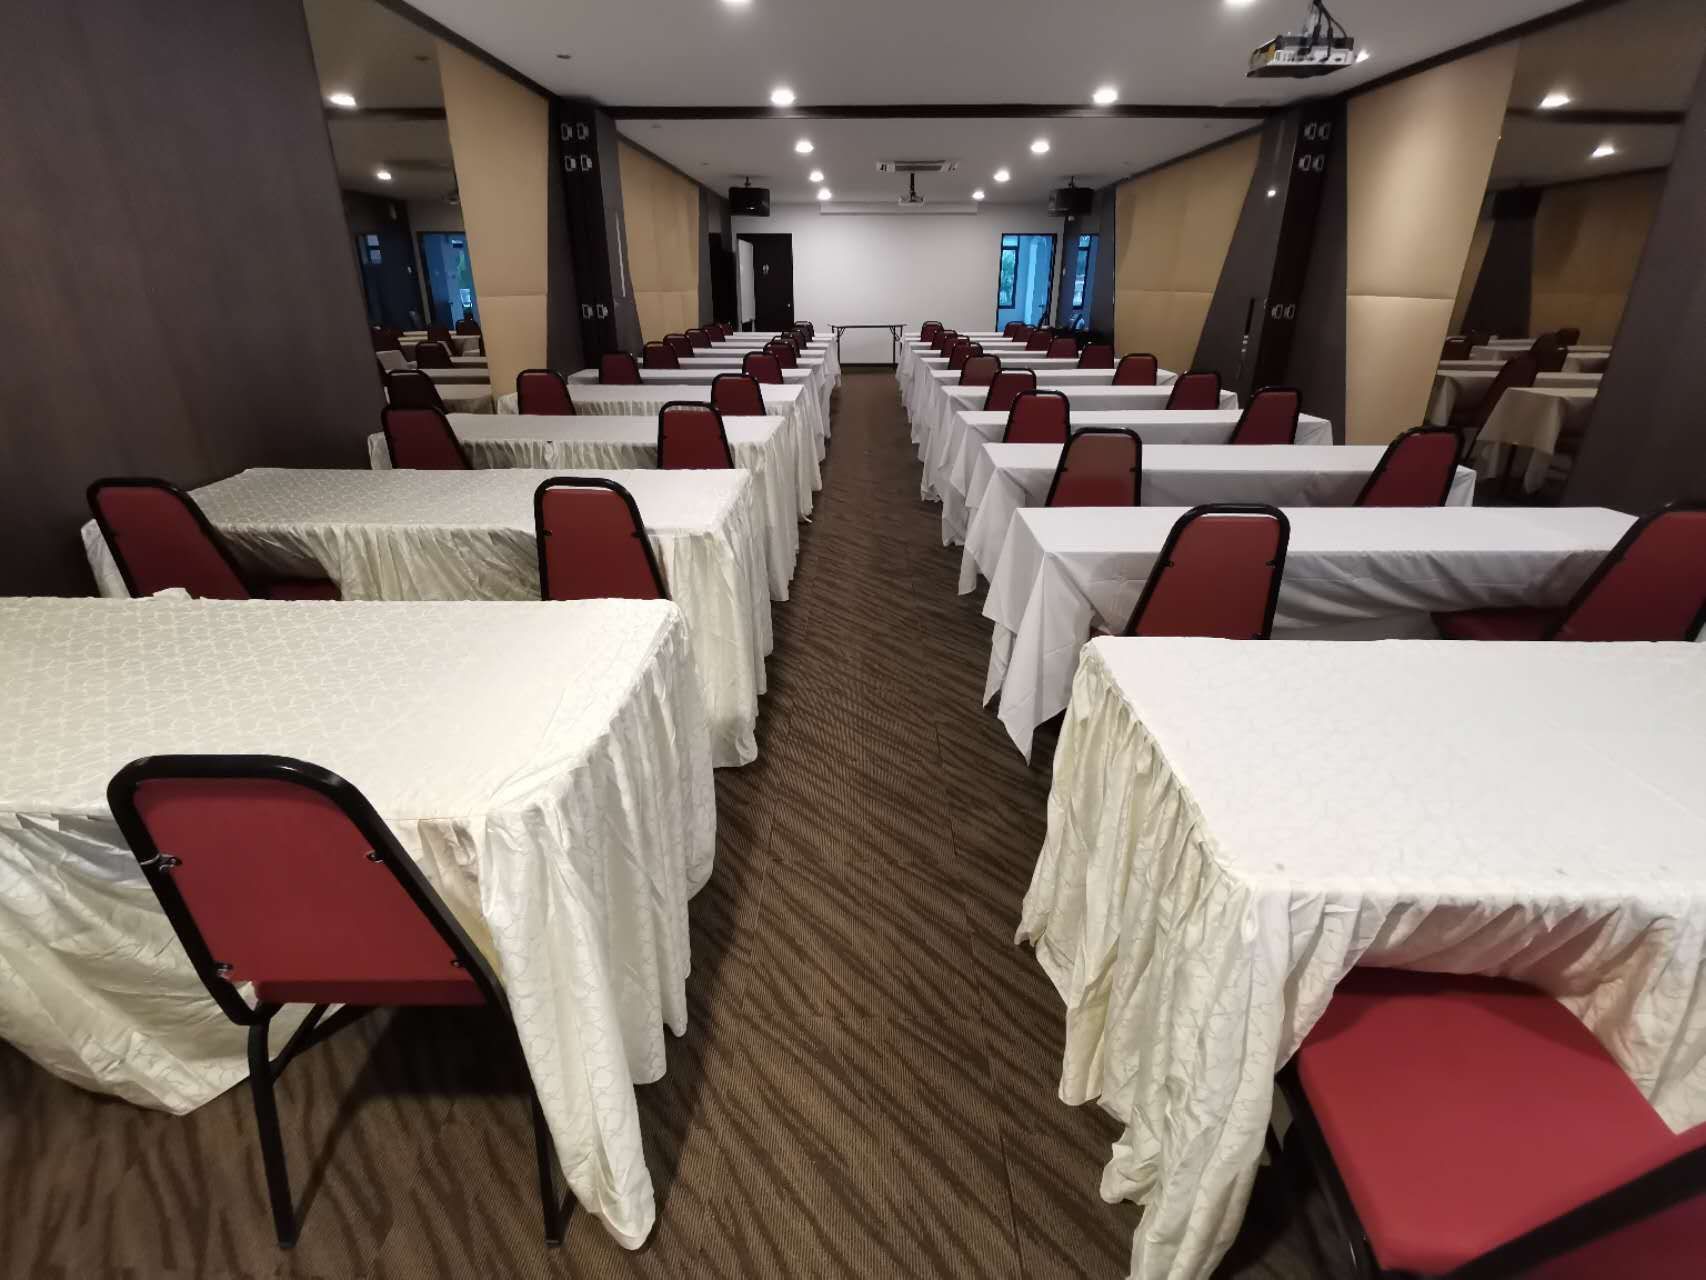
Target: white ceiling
[(416, 153), (1094, 151)]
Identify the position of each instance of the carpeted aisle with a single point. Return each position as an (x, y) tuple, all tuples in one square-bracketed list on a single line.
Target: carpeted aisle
[(868, 1086)]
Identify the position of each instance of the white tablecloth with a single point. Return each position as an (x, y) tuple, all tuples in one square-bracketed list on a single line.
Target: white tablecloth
[(1350, 572), (927, 402), (958, 440), (637, 402), (782, 470), (1455, 388), (1587, 361), (461, 535), (461, 375), (912, 353), (563, 810), (1232, 827), (460, 344), (819, 386), (1533, 418), (1005, 477), (466, 399)]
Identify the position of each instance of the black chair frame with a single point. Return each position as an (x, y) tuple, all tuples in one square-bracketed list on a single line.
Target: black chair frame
[(408, 377), (593, 482), (1033, 391), (1066, 452), (1209, 373), (1244, 416), (200, 517), (1386, 457), (559, 377), (443, 421), (722, 430), (1164, 560), (1610, 561)]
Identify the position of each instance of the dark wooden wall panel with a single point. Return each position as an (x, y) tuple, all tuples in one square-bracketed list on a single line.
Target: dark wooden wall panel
[(182, 299), (1499, 302)]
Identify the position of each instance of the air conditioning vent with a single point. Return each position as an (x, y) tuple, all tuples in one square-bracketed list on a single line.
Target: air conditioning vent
[(917, 166)]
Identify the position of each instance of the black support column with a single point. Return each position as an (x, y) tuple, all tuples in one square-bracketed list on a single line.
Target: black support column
[(591, 182)]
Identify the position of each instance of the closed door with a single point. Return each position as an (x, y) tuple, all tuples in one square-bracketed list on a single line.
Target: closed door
[(772, 280)]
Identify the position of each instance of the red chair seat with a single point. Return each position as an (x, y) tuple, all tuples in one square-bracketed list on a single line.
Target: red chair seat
[(1497, 624), (302, 589), (1464, 1112), (380, 994)]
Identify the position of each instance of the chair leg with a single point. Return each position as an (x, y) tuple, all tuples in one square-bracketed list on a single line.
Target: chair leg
[(272, 1142), (545, 1153)]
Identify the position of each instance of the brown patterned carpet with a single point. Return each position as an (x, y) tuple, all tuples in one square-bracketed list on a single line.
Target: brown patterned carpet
[(868, 1086)]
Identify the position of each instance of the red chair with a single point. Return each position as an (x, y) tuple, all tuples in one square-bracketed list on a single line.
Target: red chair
[(433, 355), (1139, 369), (1038, 417), (1650, 586), (1062, 349), (618, 369), (1097, 355), (691, 438), (1270, 417), (678, 343), (698, 338), (784, 354), (440, 333), (928, 330), (422, 440), (160, 538), (763, 366), (1023, 332), (717, 333), (1007, 385), (468, 327), (1199, 389), (1455, 349), (962, 352), (1470, 1126), (279, 877), (1467, 421), (592, 542), (1218, 574), (1415, 471), (943, 340), (1548, 353), (1012, 328), (411, 389), (1569, 337), (979, 370), (658, 355), (542, 391), (1099, 467), (386, 339), (737, 395), (1039, 339)]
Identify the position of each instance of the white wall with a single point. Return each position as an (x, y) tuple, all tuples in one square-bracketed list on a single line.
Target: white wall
[(897, 268)]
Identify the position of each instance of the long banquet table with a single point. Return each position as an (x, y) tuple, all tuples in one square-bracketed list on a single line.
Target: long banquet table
[(1006, 477), (1456, 388), (564, 810), (469, 535), (1537, 419), (957, 441), (1233, 826), (634, 402), (928, 400), (780, 460), (1350, 572), (818, 387)]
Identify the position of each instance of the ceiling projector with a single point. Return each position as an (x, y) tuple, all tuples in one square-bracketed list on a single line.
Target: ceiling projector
[(1322, 45)]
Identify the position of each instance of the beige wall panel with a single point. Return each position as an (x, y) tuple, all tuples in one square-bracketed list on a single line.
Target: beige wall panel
[(1212, 203), (1391, 354), (660, 211), (1588, 239), (500, 137), (1471, 272)]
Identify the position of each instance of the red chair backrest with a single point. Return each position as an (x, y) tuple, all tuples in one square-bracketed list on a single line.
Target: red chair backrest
[(1570, 336), (1139, 369), (1012, 328), (1008, 384), (467, 326), (658, 355), (1023, 332), (698, 338), (979, 370), (433, 354), (944, 339), (386, 340), (1415, 471), (1038, 339), (737, 395), (422, 440), (1548, 353), (962, 352), (678, 343), (1195, 390), (411, 389), (783, 353), (1061, 349), (1038, 417), (1218, 574), (1098, 355), (1518, 371), (542, 391), (618, 369), (1455, 349), (277, 873), (691, 438), (928, 330), (1270, 417), (1099, 467), (1652, 585), (763, 366), (160, 538), (592, 542), (438, 333)]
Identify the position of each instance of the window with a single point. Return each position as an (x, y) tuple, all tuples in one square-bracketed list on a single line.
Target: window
[(1007, 290), (449, 277), (1025, 281), (1081, 271)]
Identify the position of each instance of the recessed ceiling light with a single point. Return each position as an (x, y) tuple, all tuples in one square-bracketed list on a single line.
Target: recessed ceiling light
[(737, 4), (978, 194), (824, 193), (1552, 101), (342, 98), (1604, 149), (1272, 192), (1001, 175), (1106, 96), (782, 96), (816, 175), (384, 175), (1362, 55), (1239, 4), (1039, 147), (804, 146)]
